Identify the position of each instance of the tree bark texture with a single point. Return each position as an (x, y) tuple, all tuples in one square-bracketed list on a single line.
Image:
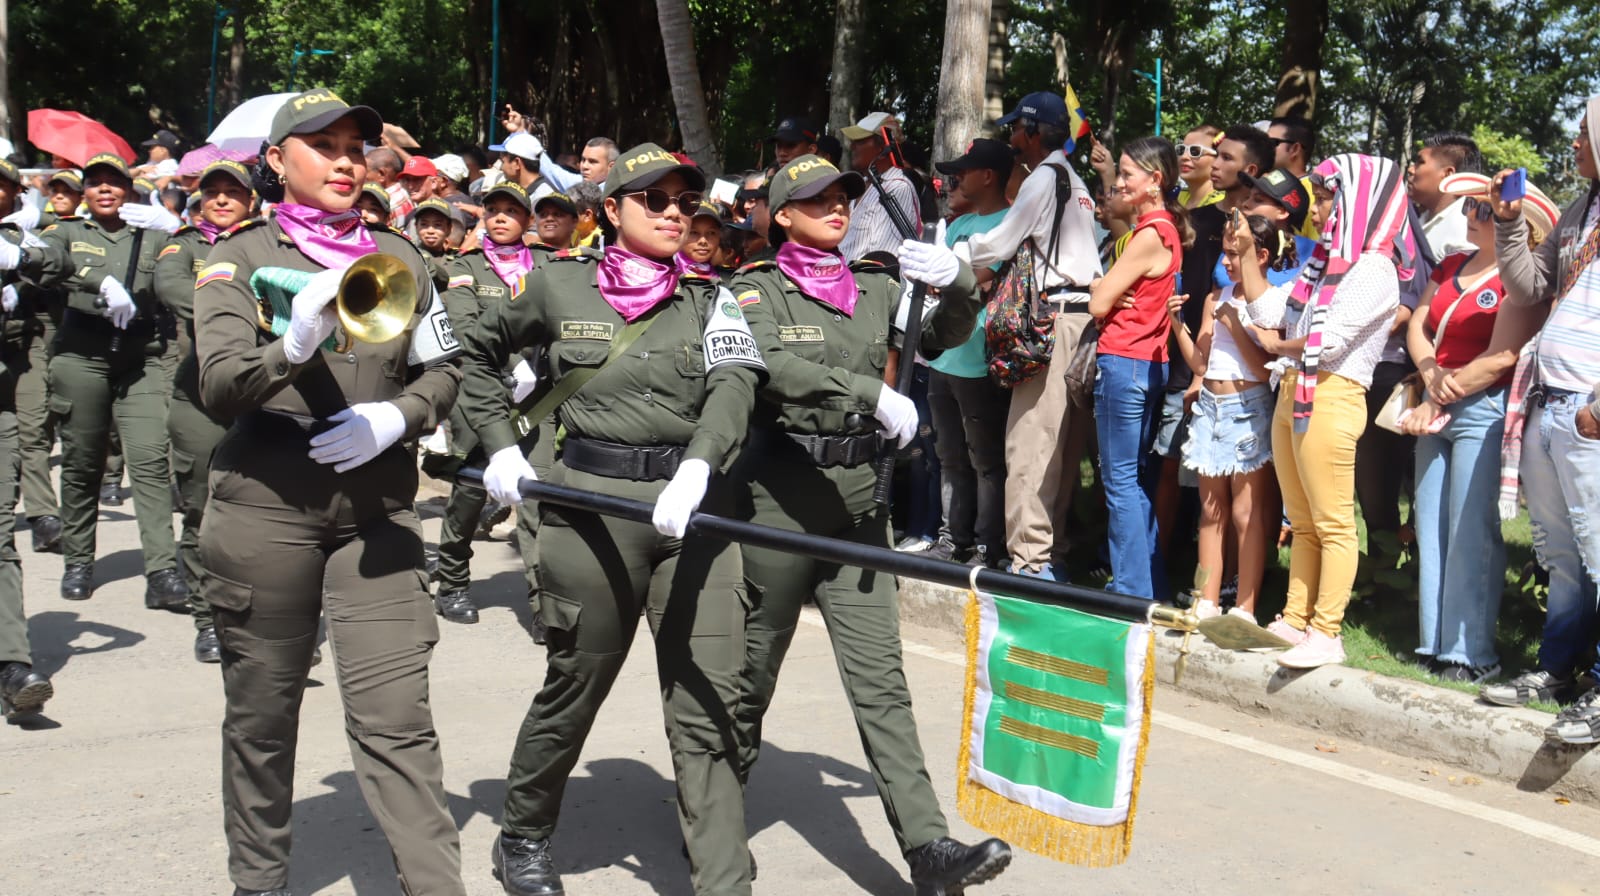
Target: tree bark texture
[(1303, 37), (961, 76), (683, 71), (845, 96)]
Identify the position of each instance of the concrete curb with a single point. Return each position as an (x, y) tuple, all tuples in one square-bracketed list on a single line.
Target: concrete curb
[(1410, 718)]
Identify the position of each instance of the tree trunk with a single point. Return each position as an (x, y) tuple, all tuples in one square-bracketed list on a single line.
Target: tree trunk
[(961, 76), (848, 27), (233, 85), (7, 130), (683, 72), (1305, 29), (994, 86), (1413, 99)]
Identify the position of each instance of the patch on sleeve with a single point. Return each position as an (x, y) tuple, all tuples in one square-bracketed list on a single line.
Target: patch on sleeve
[(171, 249), (459, 280), (749, 297), (221, 272), (728, 339)]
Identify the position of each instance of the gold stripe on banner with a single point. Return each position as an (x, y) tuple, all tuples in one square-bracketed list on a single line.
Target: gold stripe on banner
[(1072, 743), (1083, 709), (1044, 662)]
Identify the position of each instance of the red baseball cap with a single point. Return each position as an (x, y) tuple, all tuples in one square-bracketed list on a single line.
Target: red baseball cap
[(418, 166)]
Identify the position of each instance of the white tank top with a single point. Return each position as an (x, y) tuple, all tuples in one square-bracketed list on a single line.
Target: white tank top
[(1225, 362)]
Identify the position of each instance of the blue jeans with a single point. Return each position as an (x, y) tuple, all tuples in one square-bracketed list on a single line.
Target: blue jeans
[(1462, 556), (925, 515), (1127, 404), (1561, 483)]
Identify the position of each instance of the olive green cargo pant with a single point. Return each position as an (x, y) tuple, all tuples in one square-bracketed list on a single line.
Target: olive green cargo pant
[(13, 619), (284, 540), (862, 612), (597, 575), (89, 395), (36, 426), (194, 435)]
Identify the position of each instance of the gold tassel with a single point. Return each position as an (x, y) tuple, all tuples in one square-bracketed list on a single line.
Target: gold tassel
[(1037, 832)]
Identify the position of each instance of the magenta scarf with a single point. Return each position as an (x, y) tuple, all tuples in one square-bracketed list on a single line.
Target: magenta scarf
[(331, 239), (823, 276), (208, 229), (687, 265), (510, 263), (633, 284)]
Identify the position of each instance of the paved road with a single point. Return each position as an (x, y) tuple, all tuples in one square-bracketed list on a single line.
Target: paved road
[(116, 792)]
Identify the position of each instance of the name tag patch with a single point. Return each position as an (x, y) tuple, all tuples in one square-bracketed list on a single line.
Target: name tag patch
[(801, 334), (89, 249), (587, 329), (492, 292)]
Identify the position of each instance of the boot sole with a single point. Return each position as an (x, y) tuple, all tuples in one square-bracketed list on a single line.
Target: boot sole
[(29, 700)]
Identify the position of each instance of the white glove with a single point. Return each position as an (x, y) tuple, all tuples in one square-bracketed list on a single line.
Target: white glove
[(119, 305), (8, 298), (365, 431), (503, 476), (10, 255), (932, 264), (26, 216), (311, 320), (526, 380), (898, 416), (149, 217), (681, 497)]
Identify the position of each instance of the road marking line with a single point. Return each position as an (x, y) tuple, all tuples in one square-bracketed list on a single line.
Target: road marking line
[(1522, 824)]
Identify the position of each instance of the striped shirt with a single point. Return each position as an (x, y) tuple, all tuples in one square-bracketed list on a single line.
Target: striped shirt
[(871, 228)]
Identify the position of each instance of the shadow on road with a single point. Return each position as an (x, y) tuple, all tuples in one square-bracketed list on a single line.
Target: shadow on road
[(124, 564), (507, 589), (54, 636)]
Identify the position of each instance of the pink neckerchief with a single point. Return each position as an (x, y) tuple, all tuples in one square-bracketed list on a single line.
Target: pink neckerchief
[(687, 265), (823, 276), (207, 229), (331, 239), (633, 284), (510, 263)]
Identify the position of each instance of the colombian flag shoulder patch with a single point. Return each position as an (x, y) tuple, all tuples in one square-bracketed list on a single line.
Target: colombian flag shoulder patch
[(221, 272)]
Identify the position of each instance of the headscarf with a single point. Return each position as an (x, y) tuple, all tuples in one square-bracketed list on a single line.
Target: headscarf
[(510, 263), (1370, 214), (633, 284)]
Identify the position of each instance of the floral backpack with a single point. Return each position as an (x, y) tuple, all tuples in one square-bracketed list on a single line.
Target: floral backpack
[(1020, 334)]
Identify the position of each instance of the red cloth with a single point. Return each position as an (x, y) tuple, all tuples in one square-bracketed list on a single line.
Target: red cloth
[(1472, 323), (1141, 332)]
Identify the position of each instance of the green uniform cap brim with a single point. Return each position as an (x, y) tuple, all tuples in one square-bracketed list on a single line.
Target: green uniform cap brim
[(518, 196), (233, 170), (566, 204), (116, 165), (378, 194), (71, 178), (657, 163), (808, 176), (9, 172), (367, 119)]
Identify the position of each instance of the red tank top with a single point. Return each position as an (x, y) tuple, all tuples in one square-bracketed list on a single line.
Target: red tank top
[(1141, 332)]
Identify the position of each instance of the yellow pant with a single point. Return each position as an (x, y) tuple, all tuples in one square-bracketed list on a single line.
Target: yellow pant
[(1317, 473)]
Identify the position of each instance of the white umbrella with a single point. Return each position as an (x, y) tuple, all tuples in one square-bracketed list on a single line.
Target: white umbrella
[(245, 127)]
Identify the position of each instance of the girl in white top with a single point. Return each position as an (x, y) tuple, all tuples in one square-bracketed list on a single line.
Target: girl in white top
[(1230, 435)]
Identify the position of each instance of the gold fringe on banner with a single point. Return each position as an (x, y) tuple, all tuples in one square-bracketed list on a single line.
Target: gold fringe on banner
[(1038, 832)]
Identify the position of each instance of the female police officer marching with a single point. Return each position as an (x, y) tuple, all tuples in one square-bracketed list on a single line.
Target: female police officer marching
[(661, 407), (225, 198), (109, 370), (823, 326), (311, 503)]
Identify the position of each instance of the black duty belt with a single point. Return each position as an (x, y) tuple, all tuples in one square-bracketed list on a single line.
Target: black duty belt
[(839, 451), (269, 423), (621, 461)]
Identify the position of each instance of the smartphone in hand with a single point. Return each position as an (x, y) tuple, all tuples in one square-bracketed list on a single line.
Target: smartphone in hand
[(1514, 186)]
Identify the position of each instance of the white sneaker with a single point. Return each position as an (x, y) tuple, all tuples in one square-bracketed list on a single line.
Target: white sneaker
[(437, 443), (1286, 631), (1244, 614), (1205, 609), (1316, 650)]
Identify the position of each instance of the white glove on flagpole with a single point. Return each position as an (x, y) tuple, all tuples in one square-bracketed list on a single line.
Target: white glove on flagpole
[(503, 476), (149, 217), (931, 264), (526, 380), (681, 498), (311, 320), (365, 431), (119, 305), (897, 415), (8, 298)]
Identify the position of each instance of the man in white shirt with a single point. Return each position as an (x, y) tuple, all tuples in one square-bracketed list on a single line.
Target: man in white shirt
[(1042, 449), (1444, 224), (871, 227), (599, 154)]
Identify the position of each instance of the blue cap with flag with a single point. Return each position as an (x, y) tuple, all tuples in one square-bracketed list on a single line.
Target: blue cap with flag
[(1045, 108)]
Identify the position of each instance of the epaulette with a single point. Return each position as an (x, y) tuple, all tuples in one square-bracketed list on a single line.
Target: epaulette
[(474, 251), (187, 228), (578, 253), (381, 227), (758, 265), (241, 227)]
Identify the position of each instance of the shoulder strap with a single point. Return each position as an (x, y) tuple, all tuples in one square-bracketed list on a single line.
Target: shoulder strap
[(1063, 193), (572, 382)]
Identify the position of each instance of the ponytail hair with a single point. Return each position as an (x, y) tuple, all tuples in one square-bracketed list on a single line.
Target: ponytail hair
[(1156, 155), (1275, 241)]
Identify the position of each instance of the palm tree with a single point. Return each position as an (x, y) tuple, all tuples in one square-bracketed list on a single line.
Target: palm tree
[(683, 71)]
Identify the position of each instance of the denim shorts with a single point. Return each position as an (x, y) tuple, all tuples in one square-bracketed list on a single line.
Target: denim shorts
[(1230, 434)]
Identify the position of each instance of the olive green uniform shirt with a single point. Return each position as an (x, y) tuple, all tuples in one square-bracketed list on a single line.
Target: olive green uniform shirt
[(78, 255), (177, 265)]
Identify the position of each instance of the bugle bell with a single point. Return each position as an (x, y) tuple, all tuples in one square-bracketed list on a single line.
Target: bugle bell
[(377, 298)]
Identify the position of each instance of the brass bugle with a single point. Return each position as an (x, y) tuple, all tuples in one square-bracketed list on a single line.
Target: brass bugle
[(377, 298)]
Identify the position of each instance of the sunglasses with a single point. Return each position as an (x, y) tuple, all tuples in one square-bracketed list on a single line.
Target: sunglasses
[(1477, 208), (824, 202), (656, 201), (1194, 150)]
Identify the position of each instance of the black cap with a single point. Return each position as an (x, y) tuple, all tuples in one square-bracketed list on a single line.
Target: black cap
[(645, 164), (1285, 190), (794, 129), (309, 112), (982, 153), (559, 199), (808, 176), (162, 137)]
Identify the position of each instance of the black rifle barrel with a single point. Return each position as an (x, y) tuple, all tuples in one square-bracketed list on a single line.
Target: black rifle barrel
[(847, 553)]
